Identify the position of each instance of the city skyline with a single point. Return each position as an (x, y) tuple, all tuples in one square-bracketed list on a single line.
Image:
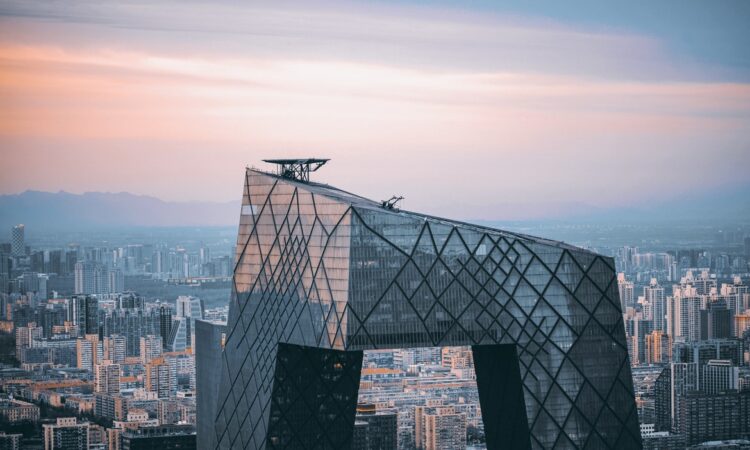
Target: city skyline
[(553, 104), (530, 227)]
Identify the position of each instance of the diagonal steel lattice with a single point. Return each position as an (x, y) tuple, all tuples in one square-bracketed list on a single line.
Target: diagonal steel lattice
[(322, 274)]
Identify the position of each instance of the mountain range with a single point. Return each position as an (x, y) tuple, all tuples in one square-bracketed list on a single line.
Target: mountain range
[(63, 211)]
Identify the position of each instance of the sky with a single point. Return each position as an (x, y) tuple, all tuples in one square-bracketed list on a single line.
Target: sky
[(467, 109)]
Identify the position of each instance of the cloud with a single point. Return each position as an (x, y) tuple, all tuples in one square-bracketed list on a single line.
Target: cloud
[(162, 115)]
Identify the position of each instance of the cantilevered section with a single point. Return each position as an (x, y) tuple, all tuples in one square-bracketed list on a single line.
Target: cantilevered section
[(297, 169), (322, 274)]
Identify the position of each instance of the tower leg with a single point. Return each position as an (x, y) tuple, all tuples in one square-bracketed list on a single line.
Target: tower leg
[(501, 397), (314, 398)]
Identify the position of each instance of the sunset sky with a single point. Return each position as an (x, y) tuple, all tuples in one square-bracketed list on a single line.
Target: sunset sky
[(467, 109)]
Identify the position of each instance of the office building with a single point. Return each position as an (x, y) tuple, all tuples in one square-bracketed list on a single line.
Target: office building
[(323, 274)]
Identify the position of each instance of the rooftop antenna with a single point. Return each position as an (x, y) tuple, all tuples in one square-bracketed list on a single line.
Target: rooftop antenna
[(297, 169), (391, 202)]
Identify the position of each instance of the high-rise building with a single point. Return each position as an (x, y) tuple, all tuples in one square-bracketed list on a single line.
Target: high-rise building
[(658, 348), (151, 348), (716, 321), (323, 274), (178, 335), (18, 241), (10, 441), (703, 351), (159, 378), (115, 348), (741, 324), (719, 375), (441, 428), (375, 429), (162, 437), (25, 337), (89, 351), (703, 283), (714, 417), (190, 308), (165, 323), (641, 329), (683, 313), (654, 294), (107, 377), (209, 343), (91, 277), (626, 289), (66, 434), (685, 378), (115, 281)]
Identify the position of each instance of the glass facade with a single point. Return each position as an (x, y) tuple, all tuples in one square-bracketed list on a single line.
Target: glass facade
[(322, 274)]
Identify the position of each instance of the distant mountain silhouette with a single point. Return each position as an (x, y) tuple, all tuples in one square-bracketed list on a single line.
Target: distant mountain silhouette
[(63, 211), (726, 205), (95, 210)]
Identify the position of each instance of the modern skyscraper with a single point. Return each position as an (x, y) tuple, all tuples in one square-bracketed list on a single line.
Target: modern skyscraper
[(323, 274), (18, 241)]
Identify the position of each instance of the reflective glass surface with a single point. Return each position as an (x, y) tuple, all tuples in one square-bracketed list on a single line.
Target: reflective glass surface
[(321, 268)]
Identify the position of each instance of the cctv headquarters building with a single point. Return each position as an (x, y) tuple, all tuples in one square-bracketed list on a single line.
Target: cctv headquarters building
[(322, 275)]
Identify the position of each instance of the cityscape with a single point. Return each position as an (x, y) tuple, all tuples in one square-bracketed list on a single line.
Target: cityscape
[(99, 345), (374, 225)]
